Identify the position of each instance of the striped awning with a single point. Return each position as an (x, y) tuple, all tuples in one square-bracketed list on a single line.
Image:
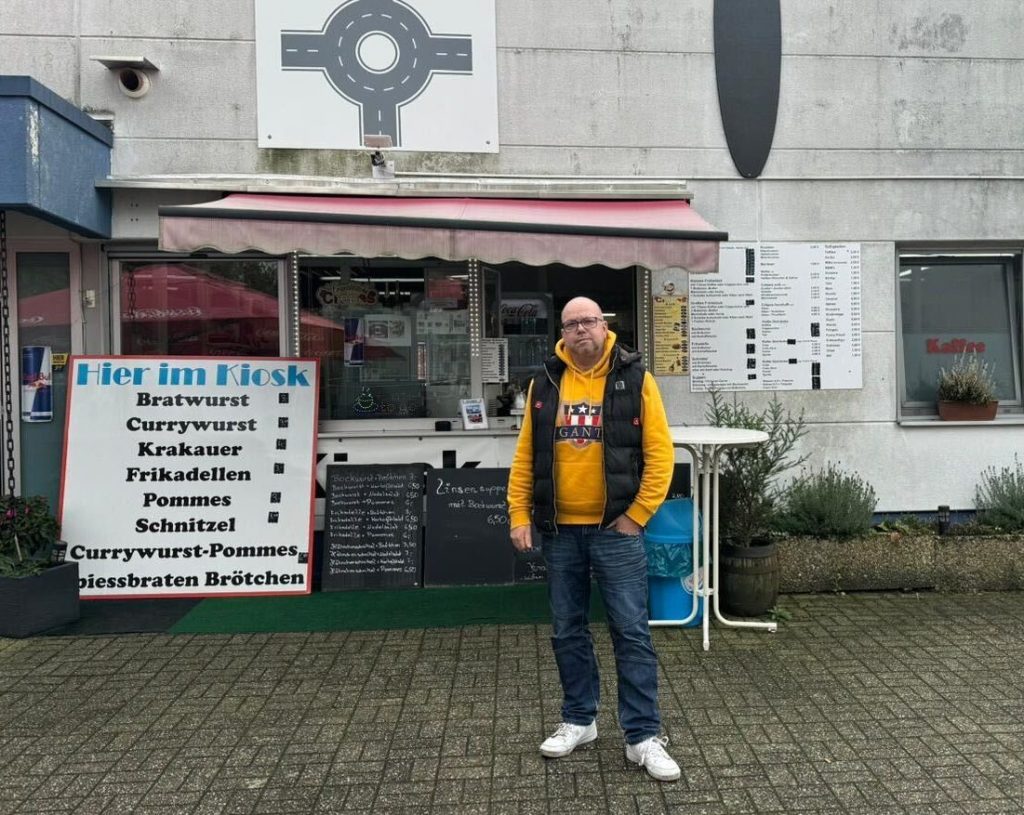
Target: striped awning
[(656, 234)]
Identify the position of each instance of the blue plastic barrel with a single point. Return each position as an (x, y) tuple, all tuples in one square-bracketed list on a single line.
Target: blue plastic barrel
[(669, 542)]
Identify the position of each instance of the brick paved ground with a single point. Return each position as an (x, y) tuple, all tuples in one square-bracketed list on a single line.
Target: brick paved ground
[(860, 704)]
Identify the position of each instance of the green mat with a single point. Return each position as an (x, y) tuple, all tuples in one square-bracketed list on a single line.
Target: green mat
[(370, 610)]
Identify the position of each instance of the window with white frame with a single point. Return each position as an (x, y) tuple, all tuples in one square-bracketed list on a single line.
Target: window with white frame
[(953, 302)]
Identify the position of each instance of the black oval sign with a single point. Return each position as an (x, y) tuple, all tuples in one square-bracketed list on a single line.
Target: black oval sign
[(748, 61)]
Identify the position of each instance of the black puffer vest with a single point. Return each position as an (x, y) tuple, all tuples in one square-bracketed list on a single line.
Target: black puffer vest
[(622, 435)]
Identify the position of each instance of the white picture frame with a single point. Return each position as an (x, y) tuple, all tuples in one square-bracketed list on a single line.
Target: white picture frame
[(474, 414)]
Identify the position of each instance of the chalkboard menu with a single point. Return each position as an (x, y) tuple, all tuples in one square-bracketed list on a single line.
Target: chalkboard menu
[(530, 566), (467, 538), (680, 486), (373, 518)]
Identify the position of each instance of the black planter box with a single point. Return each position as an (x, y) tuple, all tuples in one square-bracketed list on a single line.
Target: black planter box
[(29, 605)]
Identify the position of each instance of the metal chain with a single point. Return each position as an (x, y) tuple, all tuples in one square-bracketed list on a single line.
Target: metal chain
[(128, 327), (131, 292), (5, 317)]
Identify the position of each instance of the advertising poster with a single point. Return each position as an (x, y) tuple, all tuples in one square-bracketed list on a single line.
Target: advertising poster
[(36, 383), (190, 476), (671, 343), (388, 330), (474, 414)]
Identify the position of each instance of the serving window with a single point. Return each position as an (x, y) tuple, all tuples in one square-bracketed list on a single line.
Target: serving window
[(531, 303), (392, 337), (396, 339)]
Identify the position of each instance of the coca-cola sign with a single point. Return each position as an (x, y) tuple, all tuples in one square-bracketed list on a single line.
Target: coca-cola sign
[(519, 310)]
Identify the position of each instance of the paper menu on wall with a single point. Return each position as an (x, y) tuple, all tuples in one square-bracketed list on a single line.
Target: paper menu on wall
[(778, 316), (494, 359)]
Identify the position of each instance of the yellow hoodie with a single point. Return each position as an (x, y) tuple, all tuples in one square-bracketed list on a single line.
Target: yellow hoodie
[(579, 456)]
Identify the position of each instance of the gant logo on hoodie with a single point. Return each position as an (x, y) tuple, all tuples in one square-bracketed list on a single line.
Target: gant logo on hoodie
[(581, 424)]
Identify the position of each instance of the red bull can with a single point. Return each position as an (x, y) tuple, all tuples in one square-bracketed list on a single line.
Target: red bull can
[(36, 383)]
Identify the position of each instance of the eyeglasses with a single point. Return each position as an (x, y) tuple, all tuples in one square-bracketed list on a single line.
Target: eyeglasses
[(586, 322)]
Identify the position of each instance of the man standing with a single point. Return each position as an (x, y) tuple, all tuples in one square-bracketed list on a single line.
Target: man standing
[(593, 463)]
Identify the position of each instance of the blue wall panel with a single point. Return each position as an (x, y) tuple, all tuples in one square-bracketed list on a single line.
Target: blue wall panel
[(13, 151), (51, 156)]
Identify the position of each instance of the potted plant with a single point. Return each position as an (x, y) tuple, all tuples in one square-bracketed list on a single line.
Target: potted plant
[(748, 568), (967, 390), (37, 589)]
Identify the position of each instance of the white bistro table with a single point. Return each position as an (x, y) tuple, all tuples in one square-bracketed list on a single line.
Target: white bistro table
[(705, 445)]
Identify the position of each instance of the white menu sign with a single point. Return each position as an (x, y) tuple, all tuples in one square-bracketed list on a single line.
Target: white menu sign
[(190, 477), (494, 359), (778, 316)]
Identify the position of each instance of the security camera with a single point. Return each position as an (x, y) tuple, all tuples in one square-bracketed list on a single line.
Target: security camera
[(380, 166), (132, 72), (133, 82)]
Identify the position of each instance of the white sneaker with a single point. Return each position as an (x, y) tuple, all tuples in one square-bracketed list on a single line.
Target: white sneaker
[(567, 738), (650, 754)]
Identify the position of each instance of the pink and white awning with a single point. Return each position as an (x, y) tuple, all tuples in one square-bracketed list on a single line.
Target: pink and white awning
[(656, 234)]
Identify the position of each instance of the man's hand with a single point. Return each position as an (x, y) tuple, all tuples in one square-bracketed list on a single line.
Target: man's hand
[(624, 525), (522, 538)]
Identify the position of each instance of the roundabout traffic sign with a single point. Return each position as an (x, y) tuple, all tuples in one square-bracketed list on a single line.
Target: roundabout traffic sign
[(379, 56)]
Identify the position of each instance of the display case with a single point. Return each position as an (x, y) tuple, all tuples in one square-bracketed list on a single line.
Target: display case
[(403, 350), (442, 346), (528, 322)]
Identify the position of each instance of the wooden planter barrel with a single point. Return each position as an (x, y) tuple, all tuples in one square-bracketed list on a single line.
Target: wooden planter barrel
[(748, 578)]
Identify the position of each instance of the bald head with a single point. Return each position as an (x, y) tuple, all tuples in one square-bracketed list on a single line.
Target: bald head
[(581, 304), (585, 336)]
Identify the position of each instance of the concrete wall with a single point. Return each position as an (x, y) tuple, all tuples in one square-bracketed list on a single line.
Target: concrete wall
[(891, 87), (900, 121)]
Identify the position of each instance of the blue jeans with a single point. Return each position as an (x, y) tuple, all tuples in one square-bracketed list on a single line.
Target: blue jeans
[(619, 564)]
